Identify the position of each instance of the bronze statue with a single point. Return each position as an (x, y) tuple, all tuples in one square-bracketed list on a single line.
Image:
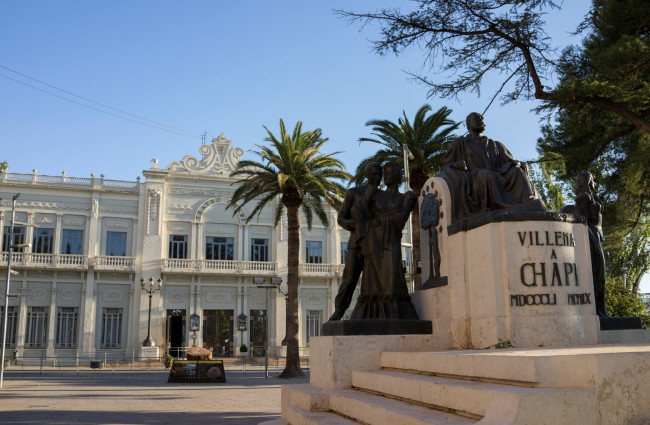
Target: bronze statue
[(588, 206), (430, 215), (384, 294), (354, 223), (483, 176)]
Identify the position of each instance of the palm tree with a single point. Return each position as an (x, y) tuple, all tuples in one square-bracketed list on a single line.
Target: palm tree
[(426, 140), (293, 169)]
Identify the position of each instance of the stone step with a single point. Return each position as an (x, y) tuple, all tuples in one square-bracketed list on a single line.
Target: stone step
[(377, 410), (306, 397), (553, 367), (468, 398), (298, 416), (274, 422)]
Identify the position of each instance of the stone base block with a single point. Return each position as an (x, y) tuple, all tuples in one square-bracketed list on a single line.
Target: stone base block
[(377, 327), (334, 357), (149, 353), (620, 323), (625, 336)]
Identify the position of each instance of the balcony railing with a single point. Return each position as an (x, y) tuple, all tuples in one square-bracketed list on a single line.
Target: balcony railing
[(50, 261), (114, 263), (311, 269), (182, 265), (76, 182)]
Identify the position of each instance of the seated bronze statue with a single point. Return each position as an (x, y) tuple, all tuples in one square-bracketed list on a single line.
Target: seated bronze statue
[(483, 176)]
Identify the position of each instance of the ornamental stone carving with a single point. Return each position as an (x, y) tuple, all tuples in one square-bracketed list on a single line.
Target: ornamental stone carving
[(153, 214), (219, 158)]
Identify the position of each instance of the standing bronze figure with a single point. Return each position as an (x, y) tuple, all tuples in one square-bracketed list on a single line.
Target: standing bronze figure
[(589, 206), (384, 294), (354, 222)]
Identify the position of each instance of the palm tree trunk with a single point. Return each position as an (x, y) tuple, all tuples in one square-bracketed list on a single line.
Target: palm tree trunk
[(292, 368)]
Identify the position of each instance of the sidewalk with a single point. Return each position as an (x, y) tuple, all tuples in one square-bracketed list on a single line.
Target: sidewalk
[(116, 398)]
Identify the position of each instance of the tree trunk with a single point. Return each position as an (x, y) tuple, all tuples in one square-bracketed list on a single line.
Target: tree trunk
[(292, 368)]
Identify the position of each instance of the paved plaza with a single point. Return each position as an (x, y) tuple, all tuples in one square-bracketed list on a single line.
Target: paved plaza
[(123, 397)]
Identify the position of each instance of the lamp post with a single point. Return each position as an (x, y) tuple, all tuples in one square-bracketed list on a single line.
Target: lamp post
[(149, 342), (11, 247), (409, 225), (275, 283)]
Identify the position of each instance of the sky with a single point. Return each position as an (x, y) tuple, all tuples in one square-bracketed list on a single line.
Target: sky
[(166, 72)]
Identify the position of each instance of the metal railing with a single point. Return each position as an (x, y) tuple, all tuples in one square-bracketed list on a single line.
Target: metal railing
[(129, 361)]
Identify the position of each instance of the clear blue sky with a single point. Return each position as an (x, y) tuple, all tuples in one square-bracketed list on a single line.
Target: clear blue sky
[(215, 67)]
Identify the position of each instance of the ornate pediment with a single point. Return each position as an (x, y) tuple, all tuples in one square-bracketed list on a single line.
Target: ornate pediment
[(219, 158)]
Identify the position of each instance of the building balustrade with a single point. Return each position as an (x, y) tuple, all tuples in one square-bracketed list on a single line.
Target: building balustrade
[(183, 265), (76, 182), (317, 269), (114, 263), (53, 261)]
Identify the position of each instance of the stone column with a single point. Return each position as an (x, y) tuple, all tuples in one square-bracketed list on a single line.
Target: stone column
[(131, 342), (53, 317), (243, 243), (56, 250), (22, 319), (88, 316), (196, 233)]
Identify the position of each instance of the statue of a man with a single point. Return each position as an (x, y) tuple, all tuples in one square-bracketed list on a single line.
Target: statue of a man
[(483, 176), (352, 219)]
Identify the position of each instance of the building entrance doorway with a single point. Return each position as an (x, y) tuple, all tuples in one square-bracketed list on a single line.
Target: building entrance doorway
[(176, 332), (218, 332), (258, 332)]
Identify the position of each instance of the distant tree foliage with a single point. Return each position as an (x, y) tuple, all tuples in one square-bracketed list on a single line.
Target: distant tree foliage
[(623, 302), (464, 41), (614, 60)]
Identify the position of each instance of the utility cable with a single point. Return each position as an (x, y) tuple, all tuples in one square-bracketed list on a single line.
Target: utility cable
[(169, 128)]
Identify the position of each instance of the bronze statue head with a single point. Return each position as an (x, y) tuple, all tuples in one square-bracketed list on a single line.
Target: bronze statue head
[(373, 173), (475, 123), (392, 174)]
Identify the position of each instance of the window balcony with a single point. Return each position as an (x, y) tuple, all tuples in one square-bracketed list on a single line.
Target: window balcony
[(47, 261), (115, 263), (317, 270), (183, 265)]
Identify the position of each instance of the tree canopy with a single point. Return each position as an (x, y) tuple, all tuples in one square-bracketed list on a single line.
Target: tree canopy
[(613, 61), (469, 39)]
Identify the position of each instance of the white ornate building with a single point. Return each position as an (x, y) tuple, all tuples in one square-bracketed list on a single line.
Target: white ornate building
[(77, 291)]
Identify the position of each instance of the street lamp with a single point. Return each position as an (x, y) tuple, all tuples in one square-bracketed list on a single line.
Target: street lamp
[(275, 284), (11, 247), (149, 342)]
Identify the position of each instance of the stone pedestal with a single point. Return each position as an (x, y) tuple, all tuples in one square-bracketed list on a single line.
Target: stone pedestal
[(149, 353), (376, 327), (512, 276)]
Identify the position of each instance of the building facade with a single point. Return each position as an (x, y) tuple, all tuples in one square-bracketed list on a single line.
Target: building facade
[(77, 291)]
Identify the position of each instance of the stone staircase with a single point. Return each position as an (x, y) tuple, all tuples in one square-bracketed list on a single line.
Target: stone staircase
[(483, 387)]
